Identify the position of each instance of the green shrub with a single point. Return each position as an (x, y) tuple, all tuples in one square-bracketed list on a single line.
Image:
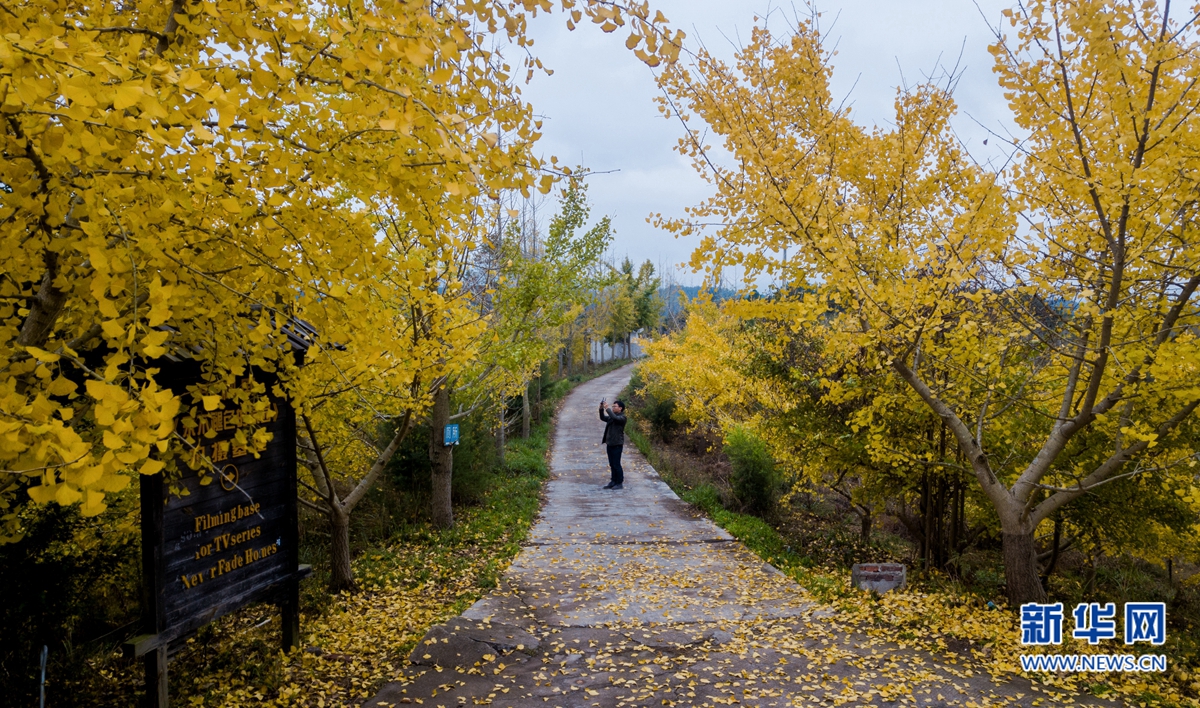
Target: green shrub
[(705, 497), (475, 460), (636, 381), (657, 406), (754, 480), (660, 413)]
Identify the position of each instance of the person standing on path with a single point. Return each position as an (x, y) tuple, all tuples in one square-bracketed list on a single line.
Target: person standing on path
[(614, 439)]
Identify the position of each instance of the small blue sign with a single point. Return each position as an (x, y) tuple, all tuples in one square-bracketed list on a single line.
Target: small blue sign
[(451, 436)]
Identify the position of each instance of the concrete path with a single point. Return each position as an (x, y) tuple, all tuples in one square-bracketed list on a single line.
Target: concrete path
[(630, 598)]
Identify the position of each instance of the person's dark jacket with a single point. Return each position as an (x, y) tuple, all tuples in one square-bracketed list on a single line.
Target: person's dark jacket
[(614, 432)]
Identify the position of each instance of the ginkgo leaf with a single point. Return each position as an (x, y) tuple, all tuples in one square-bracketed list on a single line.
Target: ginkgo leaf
[(127, 95), (113, 328), (151, 467), (93, 503), (43, 493), (42, 355), (66, 495), (61, 386), (113, 441)]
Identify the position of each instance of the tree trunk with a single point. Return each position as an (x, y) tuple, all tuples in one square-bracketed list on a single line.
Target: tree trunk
[(501, 432), (47, 304), (525, 414), (1020, 569), (44, 307), (341, 575), (865, 526), (537, 392), (441, 457)]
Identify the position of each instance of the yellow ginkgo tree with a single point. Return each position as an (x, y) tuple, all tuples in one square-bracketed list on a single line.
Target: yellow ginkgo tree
[(362, 397), (187, 177), (1046, 314)]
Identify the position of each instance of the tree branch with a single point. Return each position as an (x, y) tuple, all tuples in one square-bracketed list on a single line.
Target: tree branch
[(974, 453), (330, 492), (360, 489), (1106, 471)]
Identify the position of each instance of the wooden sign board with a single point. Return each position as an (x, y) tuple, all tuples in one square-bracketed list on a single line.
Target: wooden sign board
[(220, 535)]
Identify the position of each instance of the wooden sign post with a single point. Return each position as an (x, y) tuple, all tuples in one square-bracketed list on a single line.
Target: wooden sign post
[(221, 537)]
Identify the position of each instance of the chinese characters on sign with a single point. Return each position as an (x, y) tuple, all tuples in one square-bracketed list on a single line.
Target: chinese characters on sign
[(223, 424), (1042, 624), (224, 539)]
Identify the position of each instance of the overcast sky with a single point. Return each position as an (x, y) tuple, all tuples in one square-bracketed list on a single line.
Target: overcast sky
[(599, 108)]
